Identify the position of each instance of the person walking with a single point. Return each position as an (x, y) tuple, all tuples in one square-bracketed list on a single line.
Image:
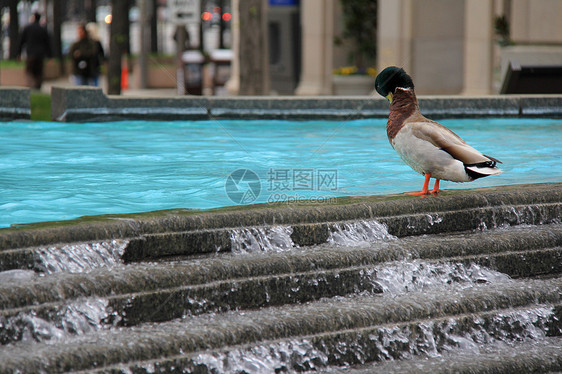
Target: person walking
[(92, 29), (84, 53), (35, 39)]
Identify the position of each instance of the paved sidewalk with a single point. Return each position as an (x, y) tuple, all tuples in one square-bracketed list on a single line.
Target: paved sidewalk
[(152, 92)]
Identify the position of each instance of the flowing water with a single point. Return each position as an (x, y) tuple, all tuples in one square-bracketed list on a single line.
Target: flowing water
[(81, 257), (278, 238), (77, 318), (430, 339), (398, 286), (271, 239), (358, 234)]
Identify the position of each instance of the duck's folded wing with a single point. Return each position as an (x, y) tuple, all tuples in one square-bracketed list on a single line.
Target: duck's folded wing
[(445, 139)]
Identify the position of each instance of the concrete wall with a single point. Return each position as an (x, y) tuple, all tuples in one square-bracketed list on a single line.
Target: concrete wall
[(536, 21), (427, 39), (437, 46), (87, 104), (14, 103), (449, 47), (317, 47)]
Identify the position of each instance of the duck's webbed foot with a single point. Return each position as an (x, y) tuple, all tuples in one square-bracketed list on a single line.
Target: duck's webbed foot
[(425, 189)]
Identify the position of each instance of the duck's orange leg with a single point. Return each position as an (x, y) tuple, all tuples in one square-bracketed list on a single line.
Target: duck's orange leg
[(425, 188), (435, 190)]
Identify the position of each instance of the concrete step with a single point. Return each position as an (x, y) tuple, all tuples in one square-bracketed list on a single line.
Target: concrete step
[(209, 241), (74, 256), (345, 327), (467, 209), (476, 274), (424, 346), (224, 282), (400, 346), (522, 357)]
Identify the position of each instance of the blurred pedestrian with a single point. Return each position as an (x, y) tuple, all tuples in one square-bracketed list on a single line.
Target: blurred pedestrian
[(84, 53), (181, 35), (35, 39), (92, 29)]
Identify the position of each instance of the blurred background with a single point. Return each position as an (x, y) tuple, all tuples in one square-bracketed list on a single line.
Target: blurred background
[(300, 47)]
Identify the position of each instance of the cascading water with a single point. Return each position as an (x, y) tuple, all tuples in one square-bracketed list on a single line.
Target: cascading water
[(261, 239), (358, 234), (80, 257), (295, 355), (430, 339), (278, 238), (425, 338), (399, 277), (363, 296), (77, 318)]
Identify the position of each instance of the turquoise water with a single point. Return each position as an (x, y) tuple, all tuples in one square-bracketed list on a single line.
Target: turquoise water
[(57, 171)]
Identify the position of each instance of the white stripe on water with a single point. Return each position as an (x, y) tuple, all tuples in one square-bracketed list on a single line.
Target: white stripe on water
[(80, 257), (17, 275)]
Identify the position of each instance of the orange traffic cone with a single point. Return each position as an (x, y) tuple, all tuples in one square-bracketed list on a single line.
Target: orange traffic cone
[(124, 75)]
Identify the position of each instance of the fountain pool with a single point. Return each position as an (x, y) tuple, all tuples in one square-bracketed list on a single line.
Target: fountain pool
[(58, 171)]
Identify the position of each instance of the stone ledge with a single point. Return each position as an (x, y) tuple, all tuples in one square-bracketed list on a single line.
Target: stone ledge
[(14, 103), (346, 208), (82, 104), (149, 342)]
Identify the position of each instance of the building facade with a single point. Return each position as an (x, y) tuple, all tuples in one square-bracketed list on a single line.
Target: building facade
[(451, 47)]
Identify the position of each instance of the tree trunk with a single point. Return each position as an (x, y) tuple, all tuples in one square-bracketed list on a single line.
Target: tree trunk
[(154, 27), (57, 40), (91, 7), (118, 44), (254, 56), (221, 25), (14, 29), (144, 37)]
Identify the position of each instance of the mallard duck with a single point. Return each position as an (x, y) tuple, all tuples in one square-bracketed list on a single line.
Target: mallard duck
[(425, 145)]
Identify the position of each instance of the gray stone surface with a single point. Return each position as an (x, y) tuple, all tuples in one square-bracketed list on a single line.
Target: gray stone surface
[(511, 252), (541, 106), (518, 358), (14, 103), (342, 325), (461, 205), (90, 104), (470, 107), (81, 104), (188, 291)]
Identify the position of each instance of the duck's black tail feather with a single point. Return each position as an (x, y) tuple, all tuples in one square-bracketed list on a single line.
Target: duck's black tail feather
[(483, 169)]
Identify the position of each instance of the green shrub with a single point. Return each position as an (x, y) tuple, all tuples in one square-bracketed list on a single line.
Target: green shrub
[(40, 106)]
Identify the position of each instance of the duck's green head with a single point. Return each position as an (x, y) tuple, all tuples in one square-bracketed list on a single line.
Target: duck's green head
[(391, 78)]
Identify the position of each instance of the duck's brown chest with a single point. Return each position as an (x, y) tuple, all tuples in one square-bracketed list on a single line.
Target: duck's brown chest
[(403, 107)]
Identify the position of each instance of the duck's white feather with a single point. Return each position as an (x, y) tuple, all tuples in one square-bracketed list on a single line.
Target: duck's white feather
[(485, 170), (428, 147), (424, 157), (445, 139)]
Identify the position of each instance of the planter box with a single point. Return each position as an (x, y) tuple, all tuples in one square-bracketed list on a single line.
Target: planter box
[(352, 85), (52, 69), (12, 76), (161, 74), (15, 76)]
